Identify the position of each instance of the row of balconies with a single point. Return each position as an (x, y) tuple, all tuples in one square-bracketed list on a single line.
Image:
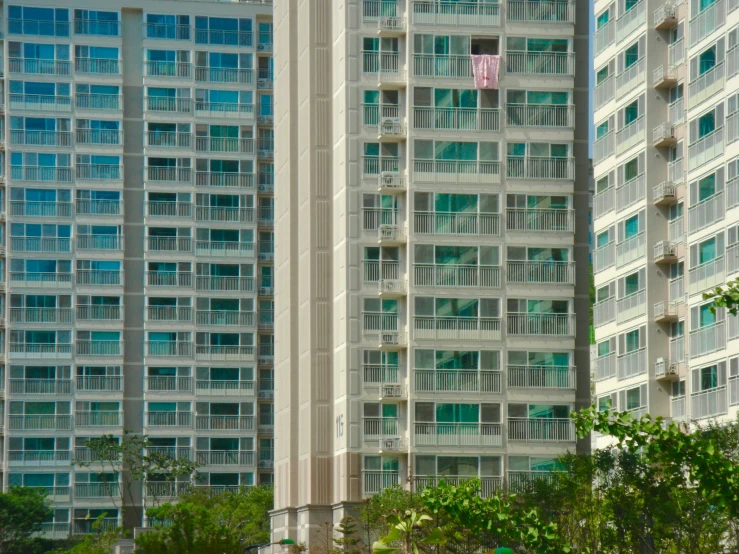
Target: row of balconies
[(65, 68), (184, 71)]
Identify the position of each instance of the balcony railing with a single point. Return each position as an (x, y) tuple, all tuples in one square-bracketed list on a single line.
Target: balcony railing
[(447, 275), (40, 386), (168, 419), (37, 173), (676, 230), (604, 312), (603, 147), (41, 280), (100, 242), (464, 381), (224, 353), (708, 20), (100, 172), (168, 104), (59, 139), (540, 63), (540, 220), (181, 279), (456, 328), (95, 27), (98, 101), (706, 85), (705, 340), (225, 457), (605, 367), (604, 92), (461, 172), (224, 423), (168, 313), (30, 66), (224, 145), (99, 348), (169, 244), (631, 249), (109, 313), (224, 388), (99, 383), (632, 364), (540, 167), (223, 37), (98, 419), (604, 257), (236, 215), (180, 70), (706, 276), (225, 109), (41, 315), (604, 201), (222, 317), (168, 383), (169, 209), (97, 66), (38, 458), (99, 207), (542, 12), (541, 377), (40, 422), (214, 283), (631, 306), (540, 324), (101, 137), (40, 102), (96, 490), (708, 403), (540, 115), (377, 481), (178, 349), (631, 77), (676, 112), (39, 244), (538, 430), (224, 248), (630, 21), (231, 75), (475, 14), (604, 37), (467, 119), (442, 66), (458, 434), (219, 179), (631, 134), (377, 427), (706, 212), (99, 277), (162, 139), (440, 223), (169, 174), (541, 272)]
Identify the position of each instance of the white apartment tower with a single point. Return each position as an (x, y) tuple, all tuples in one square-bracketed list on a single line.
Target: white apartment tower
[(665, 158), (137, 245), (432, 247)]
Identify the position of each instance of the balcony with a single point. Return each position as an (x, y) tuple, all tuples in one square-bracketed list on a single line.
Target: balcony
[(707, 339), (708, 403), (442, 66), (232, 284), (456, 381), (99, 172), (39, 244), (604, 312), (732, 259), (223, 37), (604, 37), (168, 174), (540, 220), (224, 145), (99, 347), (376, 428), (218, 179), (166, 383), (374, 482), (99, 383), (39, 422), (631, 249), (448, 275), (604, 92), (707, 84), (169, 244), (224, 318), (231, 75), (464, 14), (181, 279), (664, 77), (99, 313), (707, 21), (97, 490), (57, 139), (676, 230), (41, 315), (98, 101), (169, 209), (630, 78), (38, 458), (630, 134), (605, 367), (604, 147), (225, 457), (233, 353), (168, 104), (164, 490), (162, 139), (94, 27), (535, 167), (224, 423), (456, 172), (540, 63), (230, 110), (675, 171), (177, 70), (39, 103), (664, 194), (664, 135), (40, 386), (99, 207), (706, 276), (665, 313), (97, 66), (458, 434), (41, 280), (169, 349), (540, 272), (604, 257), (98, 277), (98, 419), (466, 119), (630, 21), (452, 223), (457, 328), (99, 242), (224, 249), (604, 202), (631, 364), (30, 66), (541, 377), (100, 137), (168, 419), (521, 429), (38, 173), (540, 324), (224, 388), (541, 12), (705, 213), (631, 306), (665, 252), (234, 215), (168, 313), (676, 54), (540, 115)]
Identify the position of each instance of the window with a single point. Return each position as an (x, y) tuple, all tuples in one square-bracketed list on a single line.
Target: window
[(631, 55), (631, 227), (707, 60), (631, 113), (706, 124)]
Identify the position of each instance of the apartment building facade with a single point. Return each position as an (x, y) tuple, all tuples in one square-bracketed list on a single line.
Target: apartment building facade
[(433, 248), (137, 245), (665, 155)]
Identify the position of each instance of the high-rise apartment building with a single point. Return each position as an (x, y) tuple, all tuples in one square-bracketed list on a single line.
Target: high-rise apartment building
[(432, 261), (137, 244), (665, 156)]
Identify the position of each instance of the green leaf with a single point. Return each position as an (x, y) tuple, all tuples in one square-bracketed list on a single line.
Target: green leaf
[(381, 548)]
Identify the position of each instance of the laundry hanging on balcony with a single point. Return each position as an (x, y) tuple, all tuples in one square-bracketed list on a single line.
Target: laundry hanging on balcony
[(485, 70)]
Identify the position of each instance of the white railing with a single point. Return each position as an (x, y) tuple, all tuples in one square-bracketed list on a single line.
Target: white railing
[(540, 429), (540, 167), (676, 53), (604, 37), (168, 419), (381, 62), (539, 63), (458, 434), (732, 259), (224, 388), (706, 276), (664, 249), (604, 201), (545, 12), (40, 102), (459, 172), (440, 223), (442, 66), (466, 14), (376, 427), (631, 364), (98, 419), (676, 171), (40, 386), (707, 212), (456, 328), (677, 289), (98, 101), (604, 257), (631, 134), (99, 383), (441, 380), (540, 324), (540, 115), (605, 367), (467, 119), (452, 275), (706, 85), (604, 92), (38, 458), (97, 66), (631, 306), (42, 138), (630, 78), (544, 272), (41, 315), (224, 422), (707, 21), (676, 112), (707, 339), (540, 220), (677, 349), (541, 377), (181, 70), (664, 13), (631, 192), (603, 147), (708, 403), (631, 249), (665, 190), (377, 481), (662, 132), (215, 283), (631, 20), (242, 76), (604, 312), (733, 391)]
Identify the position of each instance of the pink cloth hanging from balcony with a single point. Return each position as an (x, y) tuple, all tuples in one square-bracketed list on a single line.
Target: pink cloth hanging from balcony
[(485, 70)]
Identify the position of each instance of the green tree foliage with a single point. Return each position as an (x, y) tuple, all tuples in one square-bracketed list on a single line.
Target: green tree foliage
[(347, 541), (725, 297), (209, 524), (100, 541), (22, 511), (406, 531)]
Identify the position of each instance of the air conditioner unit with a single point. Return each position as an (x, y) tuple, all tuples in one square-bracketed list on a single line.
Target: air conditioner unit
[(390, 125), (264, 119), (388, 178), (261, 47), (673, 369), (266, 361), (389, 444), (262, 83), (392, 391)]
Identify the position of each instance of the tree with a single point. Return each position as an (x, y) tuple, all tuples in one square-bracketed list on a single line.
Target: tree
[(101, 541), (130, 459), (347, 541), (725, 297), (22, 511), (209, 524), (405, 529), (375, 508)]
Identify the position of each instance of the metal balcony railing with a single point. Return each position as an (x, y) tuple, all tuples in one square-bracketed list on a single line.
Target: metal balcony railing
[(708, 20), (475, 14), (540, 63), (442, 66), (181, 279), (39, 422), (604, 312), (58, 139), (168, 313), (99, 277), (100, 242), (541, 377), (222, 179), (540, 324), (458, 434), (99, 383), (39, 244), (98, 419), (540, 167), (631, 249), (631, 364), (604, 147), (441, 223), (377, 481), (225, 457), (467, 119), (96, 490), (224, 422), (452, 171), (224, 353), (37, 173), (605, 367), (540, 115), (39, 102), (108, 313), (178, 349), (604, 37), (99, 347), (541, 430), (38, 458), (222, 317), (168, 383), (41, 315), (604, 92), (631, 77), (100, 172), (635, 17), (456, 328), (213, 213), (631, 306), (100, 137), (706, 275), (169, 244), (224, 248), (604, 257), (708, 403), (223, 37), (168, 104), (463, 381), (97, 66), (231, 75), (708, 211), (41, 280), (98, 101), (97, 27), (540, 272), (168, 419), (540, 220), (40, 386), (169, 209), (180, 70), (31, 66), (631, 134), (448, 275), (707, 339), (224, 388), (706, 84), (542, 12), (214, 283), (99, 207), (604, 201)]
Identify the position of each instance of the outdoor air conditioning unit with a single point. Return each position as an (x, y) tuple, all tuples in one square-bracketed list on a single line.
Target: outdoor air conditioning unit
[(672, 369), (262, 83), (389, 444), (261, 47), (390, 125)]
